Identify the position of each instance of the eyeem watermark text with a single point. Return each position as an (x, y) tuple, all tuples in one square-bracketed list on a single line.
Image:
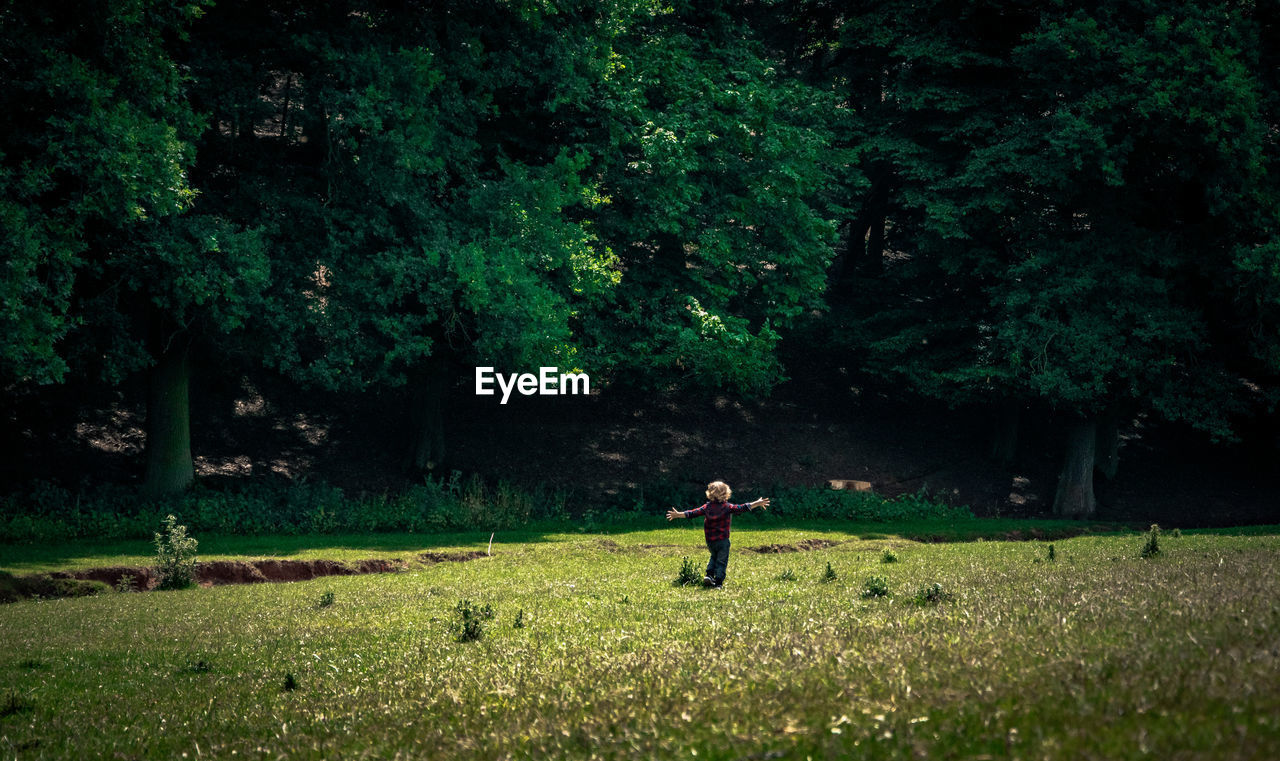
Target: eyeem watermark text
[(548, 382)]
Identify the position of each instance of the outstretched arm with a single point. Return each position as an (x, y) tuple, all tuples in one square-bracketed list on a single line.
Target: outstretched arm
[(745, 506), (674, 513)]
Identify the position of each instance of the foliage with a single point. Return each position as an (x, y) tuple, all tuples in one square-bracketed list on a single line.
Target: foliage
[(326, 599), (175, 555), (787, 575), (888, 556), (92, 169), (1062, 207), (711, 171), (829, 574), (290, 682)]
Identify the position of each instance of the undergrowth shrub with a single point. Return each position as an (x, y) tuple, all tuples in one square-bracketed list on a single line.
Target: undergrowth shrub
[(47, 512), (931, 595), (1152, 546), (688, 574), (829, 574), (175, 555), (469, 626), (840, 504), (888, 556), (787, 575), (326, 599), (876, 587)]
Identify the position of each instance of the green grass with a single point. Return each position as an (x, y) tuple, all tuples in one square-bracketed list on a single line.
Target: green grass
[(1100, 654), (79, 554)]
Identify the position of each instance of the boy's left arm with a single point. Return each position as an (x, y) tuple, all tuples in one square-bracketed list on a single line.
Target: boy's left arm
[(762, 502)]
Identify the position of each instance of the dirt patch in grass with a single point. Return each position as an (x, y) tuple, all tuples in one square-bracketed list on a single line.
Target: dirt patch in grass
[(14, 588), (209, 573), (451, 557), (379, 565), (804, 545), (219, 572), (609, 545), (143, 578), (301, 570)]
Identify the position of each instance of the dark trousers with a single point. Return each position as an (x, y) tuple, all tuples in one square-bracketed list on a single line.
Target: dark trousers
[(719, 561)]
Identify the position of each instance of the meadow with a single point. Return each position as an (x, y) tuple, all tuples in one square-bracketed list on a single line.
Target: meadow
[(591, 651)]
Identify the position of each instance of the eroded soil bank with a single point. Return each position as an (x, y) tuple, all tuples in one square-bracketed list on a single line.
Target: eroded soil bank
[(208, 573)]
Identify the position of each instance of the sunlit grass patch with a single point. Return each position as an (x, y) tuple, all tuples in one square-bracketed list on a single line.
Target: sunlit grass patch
[(1100, 654)]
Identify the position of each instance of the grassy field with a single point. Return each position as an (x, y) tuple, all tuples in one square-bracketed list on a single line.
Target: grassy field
[(1098, 653)]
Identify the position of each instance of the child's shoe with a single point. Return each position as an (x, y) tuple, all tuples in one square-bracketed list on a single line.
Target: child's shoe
[(708, 582)]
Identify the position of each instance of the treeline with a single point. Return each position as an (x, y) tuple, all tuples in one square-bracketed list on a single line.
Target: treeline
[(1024, 205)]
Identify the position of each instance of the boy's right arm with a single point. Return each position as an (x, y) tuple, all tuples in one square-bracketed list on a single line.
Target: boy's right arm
[(674, 513)]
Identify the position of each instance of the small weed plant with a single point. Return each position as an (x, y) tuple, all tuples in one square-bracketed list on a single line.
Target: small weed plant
[(932, 595), (829, 575), (888, 556), (470, 624), (1053, 555), (519, 622), (876, 587), (127, 583), (688, 574), (201, 667), (175, 555), (1152, 547), (290, 682), (326, 599), (787, 575)]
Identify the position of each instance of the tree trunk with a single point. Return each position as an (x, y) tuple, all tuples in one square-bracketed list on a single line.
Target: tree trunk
[(1108, 454), (427, 416), (1004, 444), (169, 466), (1075, 485)]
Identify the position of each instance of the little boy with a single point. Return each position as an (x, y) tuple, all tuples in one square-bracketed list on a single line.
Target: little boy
[(716, 527)]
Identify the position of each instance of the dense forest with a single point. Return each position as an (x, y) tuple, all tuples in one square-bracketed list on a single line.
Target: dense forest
[(1033, 209)]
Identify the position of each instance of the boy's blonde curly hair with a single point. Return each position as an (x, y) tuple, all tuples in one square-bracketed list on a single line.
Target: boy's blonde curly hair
[(719, 491)]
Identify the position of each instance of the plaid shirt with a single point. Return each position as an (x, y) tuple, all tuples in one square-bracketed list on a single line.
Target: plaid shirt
[(719, 515)]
